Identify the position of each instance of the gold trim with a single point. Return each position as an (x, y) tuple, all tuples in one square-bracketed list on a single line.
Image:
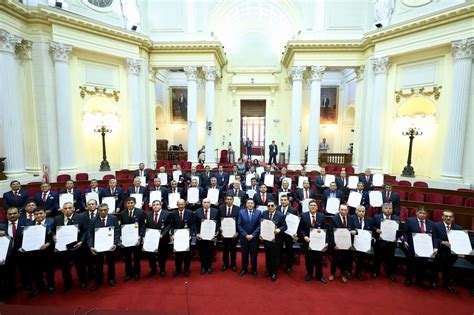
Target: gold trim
[(421, 91), (99, 91)]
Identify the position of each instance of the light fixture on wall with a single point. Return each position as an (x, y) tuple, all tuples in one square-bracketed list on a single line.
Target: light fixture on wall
[(134, 28), (209, 127), (411, 132)]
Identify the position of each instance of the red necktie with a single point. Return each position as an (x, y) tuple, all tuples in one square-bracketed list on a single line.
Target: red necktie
[(205, 214), (236, 193), (30, 217), (388, 196), (313, 222), (103, 222), (155, 220), (228, 212), (13, 229), (112, 192), (422, 226), (263, 198), (306, 193), (344, 223), (44, 197), (16, 194), (181, 215)]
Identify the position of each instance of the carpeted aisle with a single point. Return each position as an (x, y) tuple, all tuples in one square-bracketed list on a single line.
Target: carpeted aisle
[(227, 293)]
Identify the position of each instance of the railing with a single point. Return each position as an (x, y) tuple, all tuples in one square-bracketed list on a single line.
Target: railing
[(342, 159)]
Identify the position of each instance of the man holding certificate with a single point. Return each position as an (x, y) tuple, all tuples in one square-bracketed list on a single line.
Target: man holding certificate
[(363, 226), (206, 233), (304, 193), (248, 225), (213, 192), (136, 217), (286, 248), (263, 197), (137, 189), (159, 219), (331, 192), (48, 200), (312, 220), (116, 193), (272, 248), (364, 200), (75, 193), (159, 188), (182, 218), (88, 217), (228, 212), (235, 191), (195, 195)]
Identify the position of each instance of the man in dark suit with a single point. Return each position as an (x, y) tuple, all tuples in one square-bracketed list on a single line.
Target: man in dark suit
[(389, 196), (88, 217), (193, 174), (248, 225), (141, 172), (331, 192), (272, 248), (76, 193), (286, 248), (214, 185), (101, 220), (182, 218), (341, 183), (248, 149), (235, 191), (262, 198), (138, 189), (193, 206), (28, 212), (16, 197), (444, 260), (361, 222), (415, 265), (304, 193), (228, 210), (206, 177), (116, 192), (268, 172), (384, 250), (158, 187), (320, 181), (273, 152), (222, 177), (206, 247), (312, 220), (136, 216), (94, 187), (161, 220), (48, 200), (364, 201), (71, 255), (174, 189), (286, 189), (253, 185), (367, 180)]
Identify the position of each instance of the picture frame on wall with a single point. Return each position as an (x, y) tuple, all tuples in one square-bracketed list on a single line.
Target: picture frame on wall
[(179, 104), (329, 104)]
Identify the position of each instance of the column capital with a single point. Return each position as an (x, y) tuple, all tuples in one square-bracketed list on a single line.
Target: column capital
[(152, 74), (133, 66), (210, 73), (8, 41), (191, 73), (60, 52), (360, 73), (381, 64), (463, 49), (317, 72), (297, 73), (23, 50)]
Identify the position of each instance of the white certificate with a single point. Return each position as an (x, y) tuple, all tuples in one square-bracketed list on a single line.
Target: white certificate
[(104, 238), (353, 181), (228, 227), (176, 175), (129, 235), (196, 178), (139, 199), (281, 194), (193, 195), (269, 179), (231, 179), (301, 179), (164, 178), (154, 196), (151, 241), (460, 243), (208, 229), (332, 205), (267, 230), (259, 170), (181, 240), (34, 236), (251, 193), (292, 222), (342, 238), (306, 204), (142, 181), (317, 239), (375, 198), (110, 201), (248, 179), (63, 198), (65, 234), (289, 180), (389, 230), (237, 201), (213, 194), (354, 199), (423, 244), (92, 195), (328, 179), (4, 246), (363, 241), (173, 200), (377, 180)]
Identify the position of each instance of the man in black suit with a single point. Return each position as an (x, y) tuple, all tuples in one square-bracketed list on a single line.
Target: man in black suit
[(222, 177), (206, 247), (364, 201), (141, 172), (136, 216), (104, 220), (161, 220), (88, 217), (312, 220), (193, 206), (331, 192), (444, 260), (286, 248), (214, 185), (182, 218), (272, 248), (228, 210), (262, 198), (206, 177), (174, 189), (361, 222), (367, 180), (137, 188), (320, 181), (28, 212), (94, 187), (248, 226), (286, 189), (48, 200), (116, 192), (268, 172), (273, 152), (235, 191), (341, 183), (389, 196), (253, 185), (158, 187), (76, 193), (304, 193), (248, 149), (16, 197), (71, 255)]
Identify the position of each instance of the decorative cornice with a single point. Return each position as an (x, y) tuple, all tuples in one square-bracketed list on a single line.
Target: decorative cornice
[(210, 73), (436, 92), (60, 52), (213, 47), (133, 66), (381, 64), (99, 91), (360, 73), (463, 49), (23, 50), (317, 72), (297, 73), (191, 73), (8, 41)]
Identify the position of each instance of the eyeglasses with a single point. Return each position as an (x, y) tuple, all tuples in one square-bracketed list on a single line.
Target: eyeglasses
[(271, 206)]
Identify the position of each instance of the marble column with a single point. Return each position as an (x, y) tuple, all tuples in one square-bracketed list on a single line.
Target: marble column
[(191, 75), (358, 116), (377, 124), (10, 107), (210, 73), (296, 104), (61, 54), (133, 67), (315, 102), (152, 116), (463, 52)]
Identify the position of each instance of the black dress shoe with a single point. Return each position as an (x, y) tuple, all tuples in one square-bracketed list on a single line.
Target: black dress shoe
[(203, 271), (254, 273), (322, 280), (186, 273), (151, 274), (234, 268), (137, 277), (288, 270), (176, 273), (307, 278), (450, 289), (392, 278), (243, 272), (35, 292), (83, 285), (274, 278), (112, 283), (126, 278), (209, 271), (95, 286), (51, 290), (163, 274), (266, 274), (224, 268)]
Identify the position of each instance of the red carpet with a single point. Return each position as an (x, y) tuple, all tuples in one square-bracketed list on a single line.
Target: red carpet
[(227, 293)]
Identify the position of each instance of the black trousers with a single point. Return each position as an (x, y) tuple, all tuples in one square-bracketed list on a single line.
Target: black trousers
[(89, 260), (132, 260), (66, 259), (229, 252), (287, 253), (206, 250), (359, 258), (313, 260), (272, 256), (42, 264), (273, 159), (99, 260), (444, 264), (249, 249), (181, 257), (385, 252), (341, 259), (7, 276), (162, 255)]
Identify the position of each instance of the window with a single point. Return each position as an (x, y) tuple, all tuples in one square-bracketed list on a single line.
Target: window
[(254, 128), (101, 3)]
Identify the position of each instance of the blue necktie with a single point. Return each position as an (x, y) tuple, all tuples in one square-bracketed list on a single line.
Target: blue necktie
[(250, 215)]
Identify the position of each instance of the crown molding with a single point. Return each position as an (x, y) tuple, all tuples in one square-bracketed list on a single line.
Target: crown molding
[(213, 47)]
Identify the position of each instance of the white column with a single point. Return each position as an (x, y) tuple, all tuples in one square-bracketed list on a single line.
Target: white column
[(380, 66), (191, 75), (315, 102), (358, 117), (133, 67), (463, 51), (210, 73), (10, 107), (152, 115), (296, 104), (61, 54)]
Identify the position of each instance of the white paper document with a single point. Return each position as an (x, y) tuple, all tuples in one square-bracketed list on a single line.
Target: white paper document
[(63, 198), (248, 179), (193, 195), (292, 222), (363, 241), (342, 238), (460, 243), (34, 236), (110, 201), (151, 241), (236, 201), (176, 175), (104, 238), (164, 178), (65, 234), (173, 200), (92, 195), (196, 178), (208, 229), (154, 196), (353, 181), (389, 230), (423, 244), (142, 181), (328, 179), (306, 204), (259, 170), (251, 193), (332, 205), (129, 235), (354, 199), (375, 198), (181, 240), (4, 247), (269, 179), (377, 180), (213, 194), (139, 199), (228, 227), (267, 230), (317, 239), (301, 179)]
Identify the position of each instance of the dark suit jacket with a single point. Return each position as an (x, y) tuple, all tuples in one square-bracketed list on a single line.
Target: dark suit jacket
[(377, 220), (258, 199), (77, 219), (188, 221), (241, 194), (118, 195), (289, 210), (222, 179), (112, 223), (411, 226), (365, 201), (279, 220), (327, 194), (367, 223), (78, 199), (50, 231), (394, 200), (9, 199), (367, 183), (320, 184), (300, 194), (163, 224), (341, 185), (440, 235), (141, 190), (205, 180), (336, 223), (234, 213), (246, 226), (305, 225), (273, 149), (145, 173), (213, 215), (52, 202), (138, 216), (86, 219), (19, 232)]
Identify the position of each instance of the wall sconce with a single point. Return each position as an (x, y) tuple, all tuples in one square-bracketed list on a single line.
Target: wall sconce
[(229, 120), (209, 127), (276, 121)]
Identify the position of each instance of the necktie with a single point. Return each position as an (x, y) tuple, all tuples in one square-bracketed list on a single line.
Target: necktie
[(103, 222), (16, 194), (270, 216), (388, 196), (306, 194), (236, 193), (250, 215), (155, 220), (263, 198), (284, 211), (205, 214), (367, 178), (136, 190), (44, 197), (130, 213), (67, 221), (13, 229), (313, 222), (448, 227), (360, 221), (422, 226), (344, 223), (92, 215), (30, 217), (181, 215), (228, 212), (112, 192)]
